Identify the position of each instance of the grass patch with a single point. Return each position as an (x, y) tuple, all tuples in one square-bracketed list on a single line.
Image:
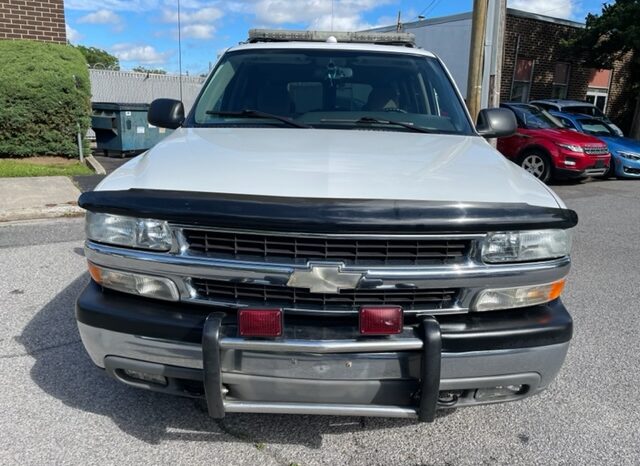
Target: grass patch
[(11, 168)]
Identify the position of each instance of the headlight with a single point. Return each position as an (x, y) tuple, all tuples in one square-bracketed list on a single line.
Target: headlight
[(629, 155), (572, 147), (523, 296), (521, 246), (128, 231), (135, 283)]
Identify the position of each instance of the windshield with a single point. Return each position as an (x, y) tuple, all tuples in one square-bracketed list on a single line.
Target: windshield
[(596, 127), (590, 110), (331, 89), (531, 117)]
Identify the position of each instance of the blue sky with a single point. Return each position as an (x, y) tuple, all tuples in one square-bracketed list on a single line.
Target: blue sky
[(144, 32)]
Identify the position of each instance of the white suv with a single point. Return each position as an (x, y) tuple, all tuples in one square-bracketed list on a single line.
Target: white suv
[(327, 233)]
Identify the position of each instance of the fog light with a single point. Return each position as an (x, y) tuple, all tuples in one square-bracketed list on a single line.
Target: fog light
[(570, 162), (510, 298), (260, 322), (499, 392), (135, 283), (143, 376), (381, 320)]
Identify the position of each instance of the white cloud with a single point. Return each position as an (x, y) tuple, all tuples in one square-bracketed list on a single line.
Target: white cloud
[(556, 8), (101, 17), (196, 24), (142, 54), (317, 14), (115, 5), (198, 31), (203, 15), (72, 35)]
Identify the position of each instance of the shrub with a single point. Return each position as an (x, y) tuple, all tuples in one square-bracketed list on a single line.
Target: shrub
[(44, 95)]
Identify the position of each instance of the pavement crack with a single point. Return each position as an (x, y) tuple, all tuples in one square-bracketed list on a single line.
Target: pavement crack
[(39, 350)]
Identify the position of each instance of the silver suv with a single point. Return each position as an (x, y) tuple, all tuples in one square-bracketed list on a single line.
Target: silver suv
[(327, 232)]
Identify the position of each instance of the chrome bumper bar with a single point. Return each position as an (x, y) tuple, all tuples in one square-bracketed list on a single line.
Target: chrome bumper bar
[(470, 277)]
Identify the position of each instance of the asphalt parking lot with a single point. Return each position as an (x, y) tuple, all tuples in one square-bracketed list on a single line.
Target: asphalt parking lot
[(56, 408)]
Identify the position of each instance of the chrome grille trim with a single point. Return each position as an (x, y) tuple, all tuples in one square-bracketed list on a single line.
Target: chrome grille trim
[(596, 150), (259, 295), (299, 249), (470, 277)]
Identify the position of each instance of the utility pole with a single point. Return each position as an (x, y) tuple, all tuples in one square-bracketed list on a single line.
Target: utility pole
[(498, 50), (476, 56), (399, 23)]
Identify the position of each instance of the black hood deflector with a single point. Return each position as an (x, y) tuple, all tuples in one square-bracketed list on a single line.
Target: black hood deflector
[(319, 215)]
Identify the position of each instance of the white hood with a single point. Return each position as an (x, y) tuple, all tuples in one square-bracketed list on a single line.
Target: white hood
[(318, 163)]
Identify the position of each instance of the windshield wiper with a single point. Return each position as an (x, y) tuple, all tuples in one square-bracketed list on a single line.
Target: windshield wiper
[(366, 120), (247, 113)]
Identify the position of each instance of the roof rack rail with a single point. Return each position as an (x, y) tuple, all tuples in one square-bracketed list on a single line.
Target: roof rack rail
[(381, 38)]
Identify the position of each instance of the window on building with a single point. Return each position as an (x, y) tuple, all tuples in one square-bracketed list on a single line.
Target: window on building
[(560, 81), (598, 90), (522, 80)]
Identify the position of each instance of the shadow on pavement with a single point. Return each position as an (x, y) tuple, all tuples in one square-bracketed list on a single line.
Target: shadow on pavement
[(63, 370)]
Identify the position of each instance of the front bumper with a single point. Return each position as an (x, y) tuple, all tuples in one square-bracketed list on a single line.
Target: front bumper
[(627, 168), (584, 166), (323, 367)]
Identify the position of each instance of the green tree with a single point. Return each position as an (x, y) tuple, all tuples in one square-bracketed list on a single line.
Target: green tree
[(610, 35), (142, 69), (98, 58)]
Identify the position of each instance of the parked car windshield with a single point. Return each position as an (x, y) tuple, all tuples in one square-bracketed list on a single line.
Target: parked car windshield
[(531, 117), (590, 110), (331, 89), (596, 127)]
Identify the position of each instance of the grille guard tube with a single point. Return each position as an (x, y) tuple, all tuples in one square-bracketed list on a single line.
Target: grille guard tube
[(326, 215), (429, 373)]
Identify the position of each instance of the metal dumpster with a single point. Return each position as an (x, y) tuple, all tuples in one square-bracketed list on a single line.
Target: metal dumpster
[(122, 129)]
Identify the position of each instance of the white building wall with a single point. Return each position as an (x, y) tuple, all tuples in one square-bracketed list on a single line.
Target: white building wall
[(142, 88), (449, 38)]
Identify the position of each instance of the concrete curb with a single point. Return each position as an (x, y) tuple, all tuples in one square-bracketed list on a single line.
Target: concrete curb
[(95, 165), (38, 197), (40, 213)]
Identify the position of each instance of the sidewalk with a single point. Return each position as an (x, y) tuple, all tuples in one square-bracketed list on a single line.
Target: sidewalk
[(38, 197)]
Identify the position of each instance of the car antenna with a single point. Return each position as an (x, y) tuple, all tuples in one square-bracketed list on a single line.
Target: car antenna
[(179, 52)]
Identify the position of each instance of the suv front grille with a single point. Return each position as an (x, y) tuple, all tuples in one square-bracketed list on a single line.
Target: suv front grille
[(596, 150), (300, 298), (301, 249)]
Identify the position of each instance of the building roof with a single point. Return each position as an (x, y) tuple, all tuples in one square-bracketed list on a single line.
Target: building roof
[(467, 16)]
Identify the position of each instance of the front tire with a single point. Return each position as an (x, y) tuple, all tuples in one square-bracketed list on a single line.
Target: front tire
[(538, 164)]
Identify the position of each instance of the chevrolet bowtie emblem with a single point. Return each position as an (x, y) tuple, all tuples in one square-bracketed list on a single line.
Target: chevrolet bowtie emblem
[(324, 279)]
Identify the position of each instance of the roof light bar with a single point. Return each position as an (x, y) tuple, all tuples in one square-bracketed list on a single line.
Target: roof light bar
[(279, 35)]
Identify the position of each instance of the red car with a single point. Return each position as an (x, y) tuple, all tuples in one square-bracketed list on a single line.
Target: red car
[(548, 150)]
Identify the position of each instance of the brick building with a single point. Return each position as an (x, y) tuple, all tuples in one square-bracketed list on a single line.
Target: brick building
[(33, 19), (535, 66)]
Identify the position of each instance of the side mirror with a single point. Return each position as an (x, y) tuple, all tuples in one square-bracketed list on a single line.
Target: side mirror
[(166, 113), (496, 123)]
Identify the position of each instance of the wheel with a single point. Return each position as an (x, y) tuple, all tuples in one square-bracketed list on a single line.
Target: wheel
[(538, 165)]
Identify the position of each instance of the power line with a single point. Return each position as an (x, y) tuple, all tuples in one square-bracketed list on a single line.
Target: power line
[(433, 7), (426, 8), (429, 8)]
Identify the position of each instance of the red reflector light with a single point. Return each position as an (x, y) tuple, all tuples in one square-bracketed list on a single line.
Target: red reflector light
[(381, 320), (260, 322)]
